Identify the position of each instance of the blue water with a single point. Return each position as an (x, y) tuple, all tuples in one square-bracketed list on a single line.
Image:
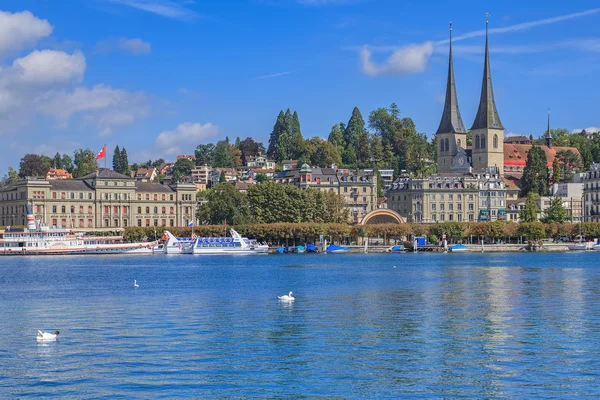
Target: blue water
[(453, 325)]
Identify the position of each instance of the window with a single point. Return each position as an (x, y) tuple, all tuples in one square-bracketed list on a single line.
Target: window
[(90, 223), (116, 183), (447, 145), (477, 142), (116, 196), (495, 141), (54, 210), (116, 209), (155, 197), (139, 210), (139, 196), (63, 209), (364, 190), (442, 146), (139, 222), (72, 196), (164, 197), (147, 211), (81, 223), (125, 223), (450, 197), (458, 144), (54, 222), (106, 223), (459, 207), (116, 221), (345, 189), (172, 222), (482, 142), (471, 206), (171, 210), (450, 206), (124, 210), (80, 209), (147, 196), (155, 210), (164, 210), (53, 195), (80, 195), (155, 222), (147, 222), (89, 196), (171, 197), (106, 210), (442, 207), (433, 207), (163, 222)]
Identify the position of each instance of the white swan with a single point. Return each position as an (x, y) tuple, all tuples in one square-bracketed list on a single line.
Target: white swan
[(286, 297), (135, 285), (47, 336)]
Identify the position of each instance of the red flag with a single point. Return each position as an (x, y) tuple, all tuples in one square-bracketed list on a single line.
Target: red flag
[(102, 153)]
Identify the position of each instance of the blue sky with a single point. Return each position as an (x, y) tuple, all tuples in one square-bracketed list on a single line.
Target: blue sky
[(161, 76)]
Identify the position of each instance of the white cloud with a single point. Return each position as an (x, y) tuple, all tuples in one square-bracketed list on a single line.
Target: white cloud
[(48, 67), (405, 60), (589, 129), (102, 106), (186, 135), (131, 46), (21, 29), (167, 8), (274, 75)]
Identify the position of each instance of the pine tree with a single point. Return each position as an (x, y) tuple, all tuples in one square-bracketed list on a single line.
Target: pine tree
[(555, 171), (238, 143), (363, 149), (356, 125), (57, 161), (297, 146), (530, 213), (117, 159), (124, 163), (273, 150), (535, 174), (556, 212)]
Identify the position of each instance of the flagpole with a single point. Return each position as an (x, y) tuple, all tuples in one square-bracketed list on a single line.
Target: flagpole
[(104, 155)]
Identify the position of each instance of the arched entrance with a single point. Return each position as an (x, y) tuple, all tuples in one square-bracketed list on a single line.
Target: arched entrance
[(382, 216)]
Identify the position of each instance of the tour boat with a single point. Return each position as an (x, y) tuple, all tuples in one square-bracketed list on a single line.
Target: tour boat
[(174, 245), (236, 244), (39, 239)]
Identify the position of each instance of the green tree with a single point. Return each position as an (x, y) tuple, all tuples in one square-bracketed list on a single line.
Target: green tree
[(363, 150), (85, 163), (224, 204), (224, 155), (261, 177), (57, 161), (570, 164), (322, 153), (67, 163), (11, 177), (278, 128), (250, 148), (556, 213), (296, 147), (124, 163), (117, 160), (349, 157), (183, 167), (535, 174), (377, 152), (380, 182), (34, 165), (531, 211), (222, 178), (355, 127), (336, 137), (555, 171), (205, 154)]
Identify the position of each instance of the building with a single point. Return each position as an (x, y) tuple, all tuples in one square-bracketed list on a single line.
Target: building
[(387, 175), (440, 198), (201, 174), (231, 175), (591, 194), (146, 174), (358, 188), (190, 157), (104, 199), (289, 164), (57, 173), (517, 140), (260, 161)]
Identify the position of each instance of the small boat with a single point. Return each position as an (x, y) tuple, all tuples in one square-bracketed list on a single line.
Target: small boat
[(300, 249), (396, 249), (334, 248), (311, 248), (582, 246), (47, 336), (459, 248), (280, 250)]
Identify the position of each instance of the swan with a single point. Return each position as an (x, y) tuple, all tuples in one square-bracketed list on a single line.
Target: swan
[(286, 297), (47, 336), (135, 285)]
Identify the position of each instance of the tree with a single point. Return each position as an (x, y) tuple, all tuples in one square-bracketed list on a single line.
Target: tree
[(117, 160), (535, 174), (67, 163), (322, 153), (377, 152), (224, 203), (261, 177), (363, 150), (380, 182), (570, 163), (249, 148), (555, 170), (356, 126), (223, 155), (183, 167), (296, 146), (34, 165), (222, 177), (204, 154), (57, 161), (349, 157), (530, 213), (556, 213), (85, 163), (279, 127), (11, 177), (124, 163), (336, 137)]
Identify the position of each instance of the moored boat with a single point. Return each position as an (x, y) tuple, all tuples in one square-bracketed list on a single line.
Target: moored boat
[(459, 248), (236, 244), (582, 246), (334, 248)]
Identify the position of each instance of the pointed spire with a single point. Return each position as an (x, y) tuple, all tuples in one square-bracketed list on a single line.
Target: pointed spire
[(487, 115), (451, 121)]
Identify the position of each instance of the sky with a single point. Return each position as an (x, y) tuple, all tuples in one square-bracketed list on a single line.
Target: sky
[(160, 77)]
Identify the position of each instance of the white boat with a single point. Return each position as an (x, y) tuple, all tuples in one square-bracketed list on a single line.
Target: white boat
[(236, 244), (459, 248), (174, 245), (582, 246)]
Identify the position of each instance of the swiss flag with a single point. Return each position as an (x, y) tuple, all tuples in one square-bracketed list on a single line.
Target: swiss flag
[(102, 153)]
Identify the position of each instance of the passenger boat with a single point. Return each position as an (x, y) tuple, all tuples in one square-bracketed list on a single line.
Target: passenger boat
[(174, 245), (334, 248), (582, 246), (236, 244)]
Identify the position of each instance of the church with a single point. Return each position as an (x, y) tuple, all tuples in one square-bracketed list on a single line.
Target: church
[(469, 184)]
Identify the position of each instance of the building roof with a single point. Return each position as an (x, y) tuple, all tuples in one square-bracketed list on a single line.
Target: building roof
[(152, 187), (451, 120), (68, 184), (517, 139), (145, 172), (58, 172), (487, 114), (239, 185), (105, 173), (516, 154)]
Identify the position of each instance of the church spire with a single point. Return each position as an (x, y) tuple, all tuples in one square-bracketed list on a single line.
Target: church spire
[(487, 115), (451, 121)]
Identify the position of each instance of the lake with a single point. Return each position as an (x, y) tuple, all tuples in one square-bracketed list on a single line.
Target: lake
[(513, 325)]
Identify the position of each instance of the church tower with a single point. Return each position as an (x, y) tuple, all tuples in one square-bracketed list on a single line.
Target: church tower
[(451, 134), (487, 130)]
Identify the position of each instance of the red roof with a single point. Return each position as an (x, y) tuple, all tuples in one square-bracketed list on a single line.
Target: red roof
[(516, 154)]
